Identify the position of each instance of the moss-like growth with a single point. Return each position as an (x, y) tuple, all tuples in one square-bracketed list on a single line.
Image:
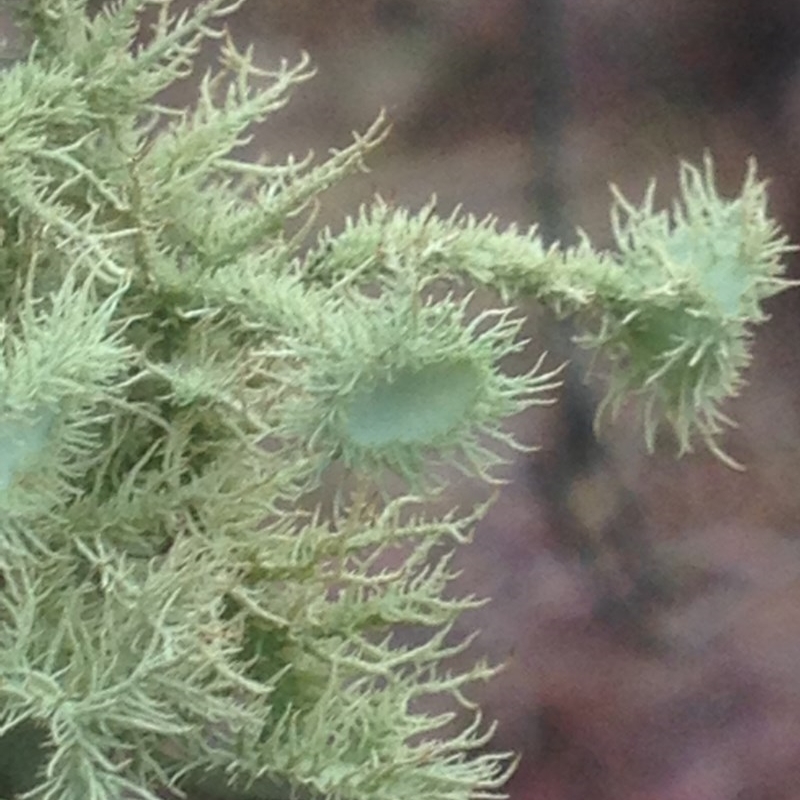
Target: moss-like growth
[(177, 370)]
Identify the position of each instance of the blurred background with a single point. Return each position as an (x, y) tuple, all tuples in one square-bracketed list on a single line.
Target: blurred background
[(648, 607)]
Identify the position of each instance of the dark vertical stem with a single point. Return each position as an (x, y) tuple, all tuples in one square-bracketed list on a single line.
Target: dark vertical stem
[(545, 46), (546, 51), (627, 587)]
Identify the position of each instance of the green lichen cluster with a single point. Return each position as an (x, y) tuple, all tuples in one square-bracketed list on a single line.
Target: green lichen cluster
[(179, 369)]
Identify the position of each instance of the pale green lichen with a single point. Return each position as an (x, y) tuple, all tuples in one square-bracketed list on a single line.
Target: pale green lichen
[(705, 270), (21, 440), (177, 370)]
